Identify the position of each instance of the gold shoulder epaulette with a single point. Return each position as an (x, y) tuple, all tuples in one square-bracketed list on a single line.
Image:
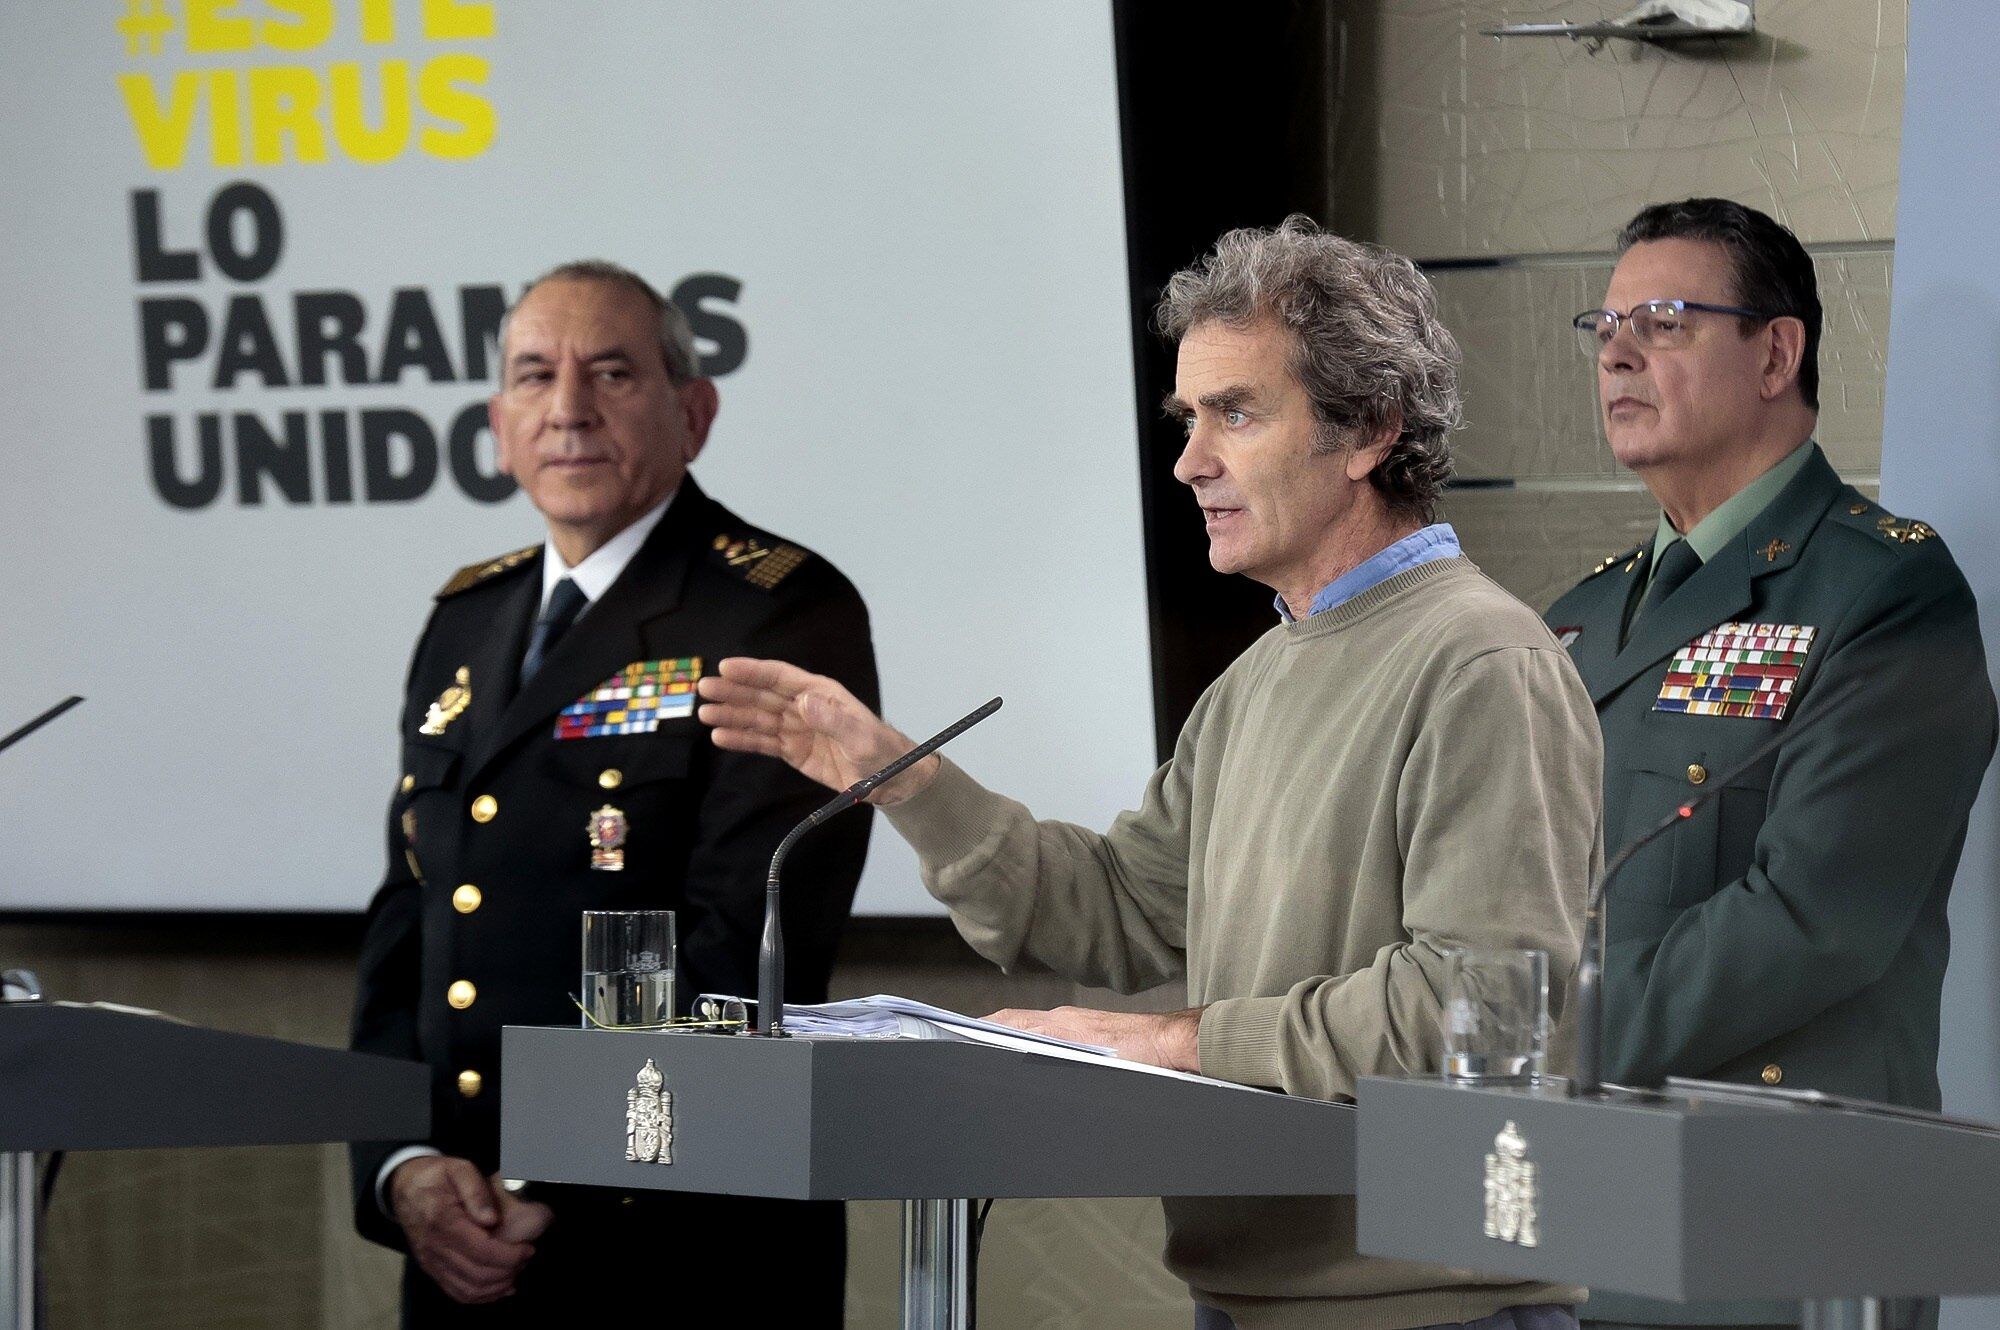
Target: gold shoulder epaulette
[(1903, 532), (474, 573), (759, 564), (1617, 558)]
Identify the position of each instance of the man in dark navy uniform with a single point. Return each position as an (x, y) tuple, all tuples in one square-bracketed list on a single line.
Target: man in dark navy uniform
[(552, 764), (1793, 932)]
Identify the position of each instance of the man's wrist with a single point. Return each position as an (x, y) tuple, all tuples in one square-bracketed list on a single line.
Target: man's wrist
[(383, 1201), (1180, 1040), (909, 784)]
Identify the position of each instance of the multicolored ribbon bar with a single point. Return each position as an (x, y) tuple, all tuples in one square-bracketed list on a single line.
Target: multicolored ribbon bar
[(633, 701), (1737, 669)]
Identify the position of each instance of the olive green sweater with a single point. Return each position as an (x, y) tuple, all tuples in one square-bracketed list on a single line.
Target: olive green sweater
[(1413, 770)]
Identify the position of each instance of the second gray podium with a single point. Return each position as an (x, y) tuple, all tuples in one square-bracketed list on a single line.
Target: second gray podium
[(1696, 1193), (929, 1122)]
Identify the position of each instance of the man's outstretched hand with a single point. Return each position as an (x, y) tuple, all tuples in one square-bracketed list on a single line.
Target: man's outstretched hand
[(809, 721), (1171, 1039)]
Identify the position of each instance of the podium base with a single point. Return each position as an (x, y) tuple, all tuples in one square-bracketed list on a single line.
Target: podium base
[(1841, 1314), (937, 1265), (20, 1209)]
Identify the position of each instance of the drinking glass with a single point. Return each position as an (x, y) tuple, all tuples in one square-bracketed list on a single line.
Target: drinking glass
[(628, 967), (1496, 1014)]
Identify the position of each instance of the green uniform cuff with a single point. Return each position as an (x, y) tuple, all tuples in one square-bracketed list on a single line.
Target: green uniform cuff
[(1239, 1040)]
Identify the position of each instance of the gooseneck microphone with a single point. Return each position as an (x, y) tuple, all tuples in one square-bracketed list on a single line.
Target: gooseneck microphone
[(1589, 1078), (39, 721), (770, 1019)]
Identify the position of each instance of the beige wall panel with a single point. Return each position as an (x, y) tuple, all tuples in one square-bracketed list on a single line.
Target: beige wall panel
[(1449, 144), (1044, 1265), (361, 1283), (1530, 395), (186, 1239), (1540, 543)]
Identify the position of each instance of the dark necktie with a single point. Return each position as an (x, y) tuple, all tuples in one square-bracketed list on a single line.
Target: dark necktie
[(1676, 566), (565, 603)]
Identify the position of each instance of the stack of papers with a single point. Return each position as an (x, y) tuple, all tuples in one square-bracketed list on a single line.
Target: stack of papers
[(887, 1017)]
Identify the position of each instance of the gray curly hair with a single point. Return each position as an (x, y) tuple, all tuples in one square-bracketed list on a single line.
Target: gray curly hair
[(1367, 345)]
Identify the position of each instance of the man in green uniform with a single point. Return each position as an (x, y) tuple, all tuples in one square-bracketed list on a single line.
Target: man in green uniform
[(1793, 931)]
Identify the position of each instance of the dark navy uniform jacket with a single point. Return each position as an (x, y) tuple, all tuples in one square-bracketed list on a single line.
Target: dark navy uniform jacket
[(489, 849)]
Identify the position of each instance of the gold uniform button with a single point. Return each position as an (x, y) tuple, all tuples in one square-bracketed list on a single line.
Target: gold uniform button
[(470, 1083), (1697, 773), (461, 994), (409, 782), (485, 808), (611, 778), (466, 899), (1773, 1073)]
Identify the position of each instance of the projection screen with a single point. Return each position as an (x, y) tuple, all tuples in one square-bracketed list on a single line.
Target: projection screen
[(255, 259)]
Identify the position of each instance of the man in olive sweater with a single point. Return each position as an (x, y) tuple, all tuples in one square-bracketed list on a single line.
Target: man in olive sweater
[(1406, 764)]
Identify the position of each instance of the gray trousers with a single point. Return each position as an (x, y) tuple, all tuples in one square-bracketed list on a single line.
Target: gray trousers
[(1539, 1316)]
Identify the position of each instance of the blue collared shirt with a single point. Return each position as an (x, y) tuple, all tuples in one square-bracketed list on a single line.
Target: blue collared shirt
[(1437, 541)]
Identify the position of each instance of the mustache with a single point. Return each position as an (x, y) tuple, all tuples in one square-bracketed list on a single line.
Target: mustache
[(571, 446), (1613, 389)]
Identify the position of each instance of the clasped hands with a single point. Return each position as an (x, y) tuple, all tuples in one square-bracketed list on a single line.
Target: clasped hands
[(823, 731), (464, 1229)]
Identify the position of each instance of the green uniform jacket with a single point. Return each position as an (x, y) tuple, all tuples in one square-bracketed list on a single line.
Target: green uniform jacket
[(1793, 931)]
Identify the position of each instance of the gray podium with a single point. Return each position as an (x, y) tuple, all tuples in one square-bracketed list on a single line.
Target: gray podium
[(81, 1078), (1692, 1194), (932, 1123)]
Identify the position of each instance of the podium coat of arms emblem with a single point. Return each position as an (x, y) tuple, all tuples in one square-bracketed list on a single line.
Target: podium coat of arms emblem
[(649, 1118), (1511, 1190)]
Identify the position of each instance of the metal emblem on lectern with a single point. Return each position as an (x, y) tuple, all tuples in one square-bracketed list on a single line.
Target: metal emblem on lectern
[(649, 1118), (1510, 1190)]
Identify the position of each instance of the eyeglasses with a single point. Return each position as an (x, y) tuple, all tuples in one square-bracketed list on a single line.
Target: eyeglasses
[(1657, 325)]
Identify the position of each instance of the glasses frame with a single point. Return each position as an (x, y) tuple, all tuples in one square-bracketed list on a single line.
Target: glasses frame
[(1677, 306)]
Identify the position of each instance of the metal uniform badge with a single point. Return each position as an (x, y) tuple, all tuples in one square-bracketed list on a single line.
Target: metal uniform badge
[(649, 1118), (451, 704), (607, 839), (1904, 533), (1511, 1190)]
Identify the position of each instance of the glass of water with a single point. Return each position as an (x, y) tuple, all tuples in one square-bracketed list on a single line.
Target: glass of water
[(1496, 1014), (628, 967)]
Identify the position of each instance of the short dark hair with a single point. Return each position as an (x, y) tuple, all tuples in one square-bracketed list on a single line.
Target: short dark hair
[(1770, 268)]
